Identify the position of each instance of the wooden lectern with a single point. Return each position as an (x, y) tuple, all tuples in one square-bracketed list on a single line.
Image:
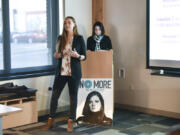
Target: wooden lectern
[(98, 65)]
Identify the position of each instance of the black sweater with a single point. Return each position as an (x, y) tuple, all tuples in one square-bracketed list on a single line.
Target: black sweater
[(105, 43)]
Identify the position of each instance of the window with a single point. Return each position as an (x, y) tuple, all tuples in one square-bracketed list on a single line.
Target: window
[(30, 36), (28, 30)]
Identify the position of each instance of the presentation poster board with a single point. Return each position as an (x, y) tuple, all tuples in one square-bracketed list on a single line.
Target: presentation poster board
[(96, 90)]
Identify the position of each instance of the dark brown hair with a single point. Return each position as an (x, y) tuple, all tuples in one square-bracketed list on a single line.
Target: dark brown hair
[(101, 26), (86, 109)]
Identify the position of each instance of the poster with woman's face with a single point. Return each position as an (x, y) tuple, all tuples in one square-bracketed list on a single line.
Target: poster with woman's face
[(95, 101)]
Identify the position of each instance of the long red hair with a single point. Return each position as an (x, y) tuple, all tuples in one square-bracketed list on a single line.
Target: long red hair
[(64, 36)]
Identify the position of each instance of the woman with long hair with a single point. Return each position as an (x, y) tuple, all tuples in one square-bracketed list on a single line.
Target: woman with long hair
[(70, 50), (93, 111)]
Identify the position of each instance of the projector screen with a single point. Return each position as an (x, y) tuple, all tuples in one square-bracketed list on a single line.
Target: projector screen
[(163, 34)]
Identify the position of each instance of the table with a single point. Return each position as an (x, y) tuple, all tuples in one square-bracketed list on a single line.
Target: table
[(6, 110)]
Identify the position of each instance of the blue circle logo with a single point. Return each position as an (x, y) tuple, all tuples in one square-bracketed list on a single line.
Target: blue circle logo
[(88, 84)]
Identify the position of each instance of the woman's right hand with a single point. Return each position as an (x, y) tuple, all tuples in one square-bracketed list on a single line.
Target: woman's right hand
[(57, 55)]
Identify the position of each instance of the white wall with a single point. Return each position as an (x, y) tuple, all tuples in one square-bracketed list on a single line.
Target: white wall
[(81, 10), (125, 22)]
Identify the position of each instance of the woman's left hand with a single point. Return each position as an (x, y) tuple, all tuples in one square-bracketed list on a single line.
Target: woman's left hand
[(74, 54)]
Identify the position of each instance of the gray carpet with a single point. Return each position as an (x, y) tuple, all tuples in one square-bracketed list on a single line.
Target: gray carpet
[(124, 123)]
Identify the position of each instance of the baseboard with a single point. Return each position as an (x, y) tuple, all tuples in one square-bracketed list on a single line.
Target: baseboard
[(148, 110)]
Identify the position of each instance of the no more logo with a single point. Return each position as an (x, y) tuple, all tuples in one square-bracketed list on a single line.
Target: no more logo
[(95, 84)]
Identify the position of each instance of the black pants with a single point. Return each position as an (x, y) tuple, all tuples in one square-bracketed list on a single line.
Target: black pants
[(59, 84)]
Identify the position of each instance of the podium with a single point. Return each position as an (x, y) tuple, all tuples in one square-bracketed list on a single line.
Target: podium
[(98, 65), (96, 91)]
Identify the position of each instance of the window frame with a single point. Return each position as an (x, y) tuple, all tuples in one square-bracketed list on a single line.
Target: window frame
[(52, 33)]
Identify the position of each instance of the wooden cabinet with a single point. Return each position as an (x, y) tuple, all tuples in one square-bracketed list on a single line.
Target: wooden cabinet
[(28, 114)]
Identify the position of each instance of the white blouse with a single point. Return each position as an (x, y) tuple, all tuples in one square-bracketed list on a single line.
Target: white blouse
[(66, 61)]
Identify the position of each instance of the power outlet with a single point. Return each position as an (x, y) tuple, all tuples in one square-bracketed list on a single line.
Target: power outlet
[(122, 73)]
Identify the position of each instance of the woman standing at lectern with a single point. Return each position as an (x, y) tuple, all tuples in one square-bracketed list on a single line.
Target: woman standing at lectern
[(98, 40), (70, 50)]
